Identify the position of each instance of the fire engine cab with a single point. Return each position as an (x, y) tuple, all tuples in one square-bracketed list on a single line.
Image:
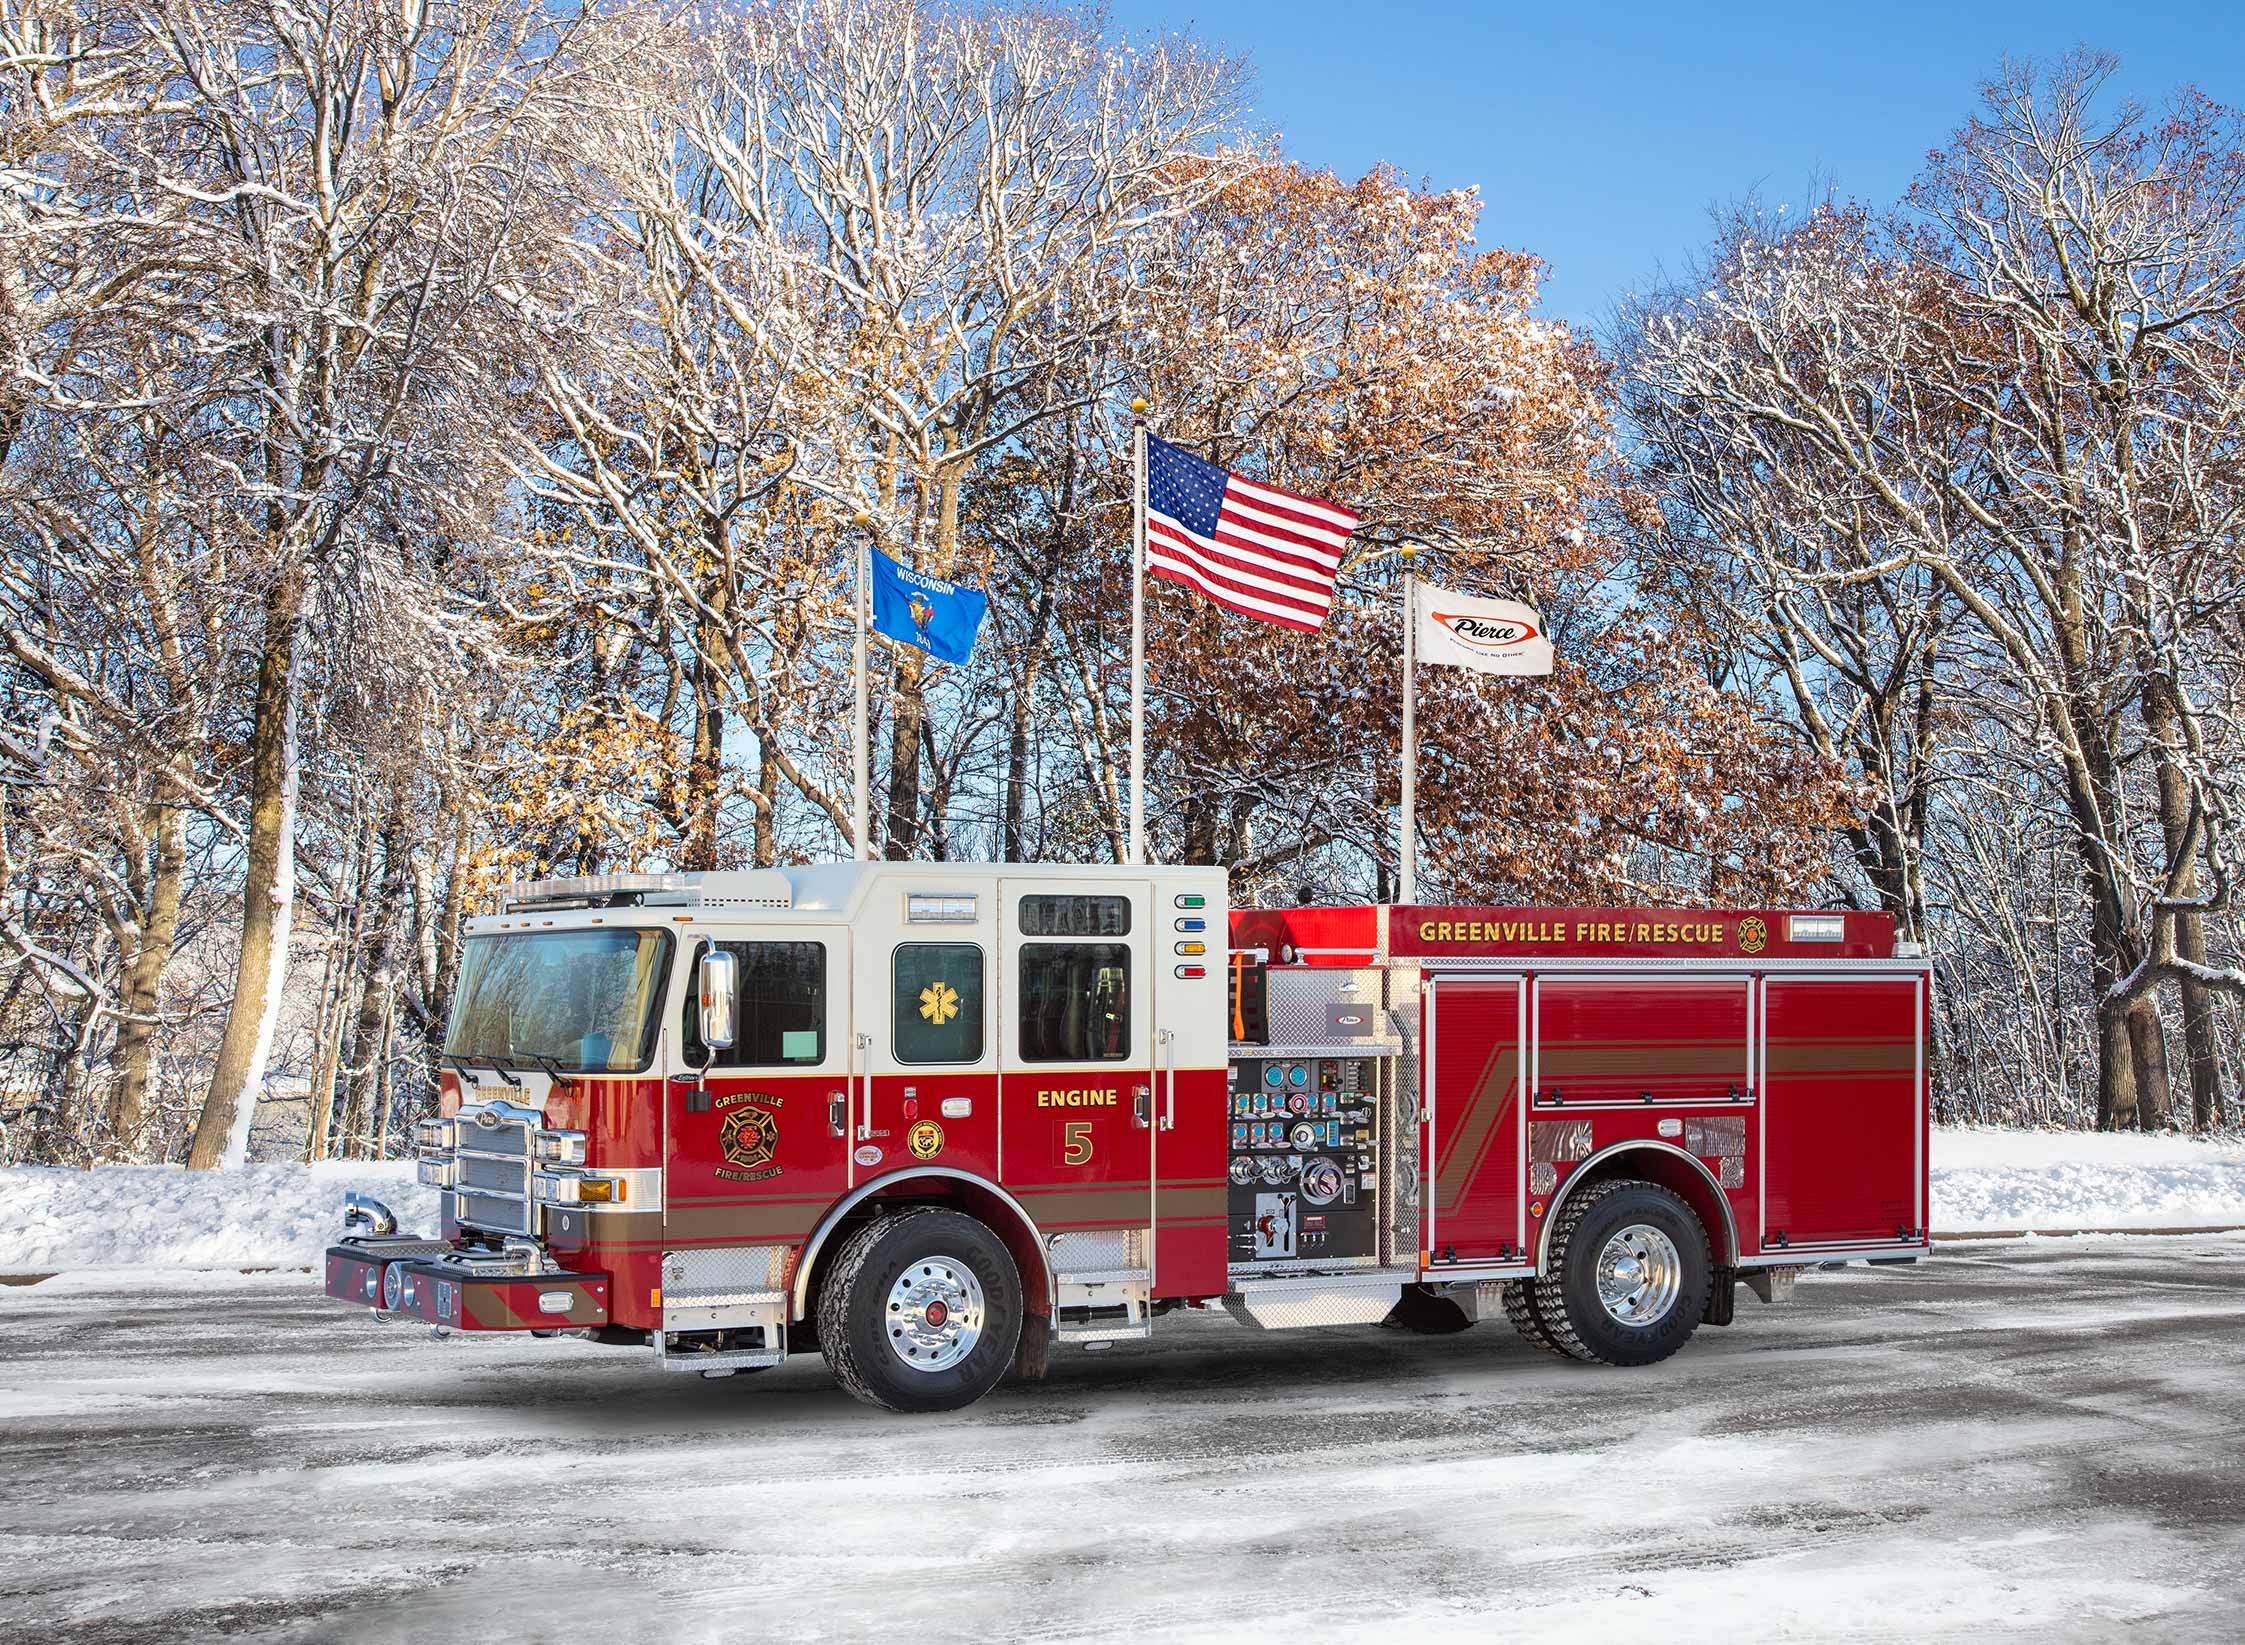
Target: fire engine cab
[(930, 1120)]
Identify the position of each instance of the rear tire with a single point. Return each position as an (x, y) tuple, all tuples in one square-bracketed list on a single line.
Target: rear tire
[(1520, 1308), (921, 1311), (1629, 1277)]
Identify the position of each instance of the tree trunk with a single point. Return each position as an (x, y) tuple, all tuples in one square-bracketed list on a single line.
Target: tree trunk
[(2201, 1048), (370, 1036), (2116, 1079), (135, 1053), (268, 888), (2147, 1044), (908, 707)]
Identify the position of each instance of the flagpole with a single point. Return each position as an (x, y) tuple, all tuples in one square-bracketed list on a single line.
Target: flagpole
[(859, 781), (1408, 857), (1138, 633)]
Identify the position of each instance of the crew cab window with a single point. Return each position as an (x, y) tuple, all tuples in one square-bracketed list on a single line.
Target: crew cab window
[(1075, 1002), (936, 1015), (782, 1008)]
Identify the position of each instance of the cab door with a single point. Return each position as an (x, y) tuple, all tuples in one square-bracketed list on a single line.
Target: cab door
[(925, 1085), (754, 1148), (1076, 1060)]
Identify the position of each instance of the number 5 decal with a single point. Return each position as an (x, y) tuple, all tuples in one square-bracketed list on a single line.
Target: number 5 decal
[(1075, 1142)]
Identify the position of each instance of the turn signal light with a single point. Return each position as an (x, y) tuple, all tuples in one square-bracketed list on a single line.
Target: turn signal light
[(599, 1191), (1192, 948)]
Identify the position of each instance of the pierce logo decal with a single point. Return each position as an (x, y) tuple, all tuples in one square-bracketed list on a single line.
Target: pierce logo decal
[(1485, 633)]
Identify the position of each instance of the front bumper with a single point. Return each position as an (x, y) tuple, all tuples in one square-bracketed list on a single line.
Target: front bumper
[(437, 1285)]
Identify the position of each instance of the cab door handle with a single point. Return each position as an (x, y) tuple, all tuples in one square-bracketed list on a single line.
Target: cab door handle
[(1142, 1106), (837, 1111)]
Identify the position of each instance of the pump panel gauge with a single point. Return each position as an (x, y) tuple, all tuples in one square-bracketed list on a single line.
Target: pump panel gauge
[(1305, 1135)]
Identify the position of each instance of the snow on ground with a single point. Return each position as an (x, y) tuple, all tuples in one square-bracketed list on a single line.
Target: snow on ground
[(2085, 1179), (281, 1216), (261, 1216)]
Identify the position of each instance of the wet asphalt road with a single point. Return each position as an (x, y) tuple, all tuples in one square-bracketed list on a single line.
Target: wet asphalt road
[(2013, 1441)]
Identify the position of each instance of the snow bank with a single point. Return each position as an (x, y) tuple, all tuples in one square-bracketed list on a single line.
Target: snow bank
[(282, 1216), (260, 1216), (2082, 1179)]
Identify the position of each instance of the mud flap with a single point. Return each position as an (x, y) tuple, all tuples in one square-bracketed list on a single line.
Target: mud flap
[(1722, 1298)]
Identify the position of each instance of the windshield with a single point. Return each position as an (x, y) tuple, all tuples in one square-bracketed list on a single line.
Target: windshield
[(586, 1000)]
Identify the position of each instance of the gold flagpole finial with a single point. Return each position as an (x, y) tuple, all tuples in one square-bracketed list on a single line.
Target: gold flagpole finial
[(1138, 408)]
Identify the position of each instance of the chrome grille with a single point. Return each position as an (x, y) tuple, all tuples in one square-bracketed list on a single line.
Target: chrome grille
[(495, 1176), (493, 1187), (492, 1212)]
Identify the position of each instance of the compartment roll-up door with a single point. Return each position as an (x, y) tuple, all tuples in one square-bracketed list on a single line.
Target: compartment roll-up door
[(1842, 1097)]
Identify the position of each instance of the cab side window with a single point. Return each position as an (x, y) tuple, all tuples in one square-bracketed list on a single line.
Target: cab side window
[(936, 1012), (782, 1008), (1075, 1002)]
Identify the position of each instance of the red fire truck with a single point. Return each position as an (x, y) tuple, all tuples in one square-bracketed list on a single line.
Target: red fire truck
[(931, 1120)]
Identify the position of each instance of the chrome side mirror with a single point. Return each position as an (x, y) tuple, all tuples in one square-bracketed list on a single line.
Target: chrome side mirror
[(719, 982)]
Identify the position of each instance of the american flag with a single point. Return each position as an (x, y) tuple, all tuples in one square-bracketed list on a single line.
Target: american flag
[(1249, 547)]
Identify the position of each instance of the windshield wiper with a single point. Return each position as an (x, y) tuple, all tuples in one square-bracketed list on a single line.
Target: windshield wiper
[(464, 1071), (499, 1067), (553, 1068)]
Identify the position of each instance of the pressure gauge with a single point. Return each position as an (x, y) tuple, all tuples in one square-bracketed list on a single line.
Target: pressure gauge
[(1305, 1135), (1321, 1182), (1299, 1074), (1274, 1076)]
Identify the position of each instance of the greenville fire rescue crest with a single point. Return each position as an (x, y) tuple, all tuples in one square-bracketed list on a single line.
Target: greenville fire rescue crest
[(748, 1136)]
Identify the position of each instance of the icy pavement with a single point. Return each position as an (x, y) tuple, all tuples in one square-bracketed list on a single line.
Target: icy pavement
[(2012, 1441)]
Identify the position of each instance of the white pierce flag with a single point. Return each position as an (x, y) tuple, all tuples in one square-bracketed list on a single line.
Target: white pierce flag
[(1493, 636)]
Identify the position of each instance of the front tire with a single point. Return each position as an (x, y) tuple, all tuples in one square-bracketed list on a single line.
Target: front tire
[(921, 1311), (1630, 1274)]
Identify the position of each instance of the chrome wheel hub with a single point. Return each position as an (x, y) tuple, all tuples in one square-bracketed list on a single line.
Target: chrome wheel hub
[(935, 1313), (1640, 1275)]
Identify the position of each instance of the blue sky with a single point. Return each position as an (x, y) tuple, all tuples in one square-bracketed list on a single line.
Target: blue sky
[(1599, 136)]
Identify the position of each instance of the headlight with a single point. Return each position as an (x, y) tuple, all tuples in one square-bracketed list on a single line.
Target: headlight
[(437, 1173), (561, 1147)]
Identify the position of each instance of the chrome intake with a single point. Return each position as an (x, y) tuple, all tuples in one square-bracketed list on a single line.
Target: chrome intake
[(363, 1213)]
